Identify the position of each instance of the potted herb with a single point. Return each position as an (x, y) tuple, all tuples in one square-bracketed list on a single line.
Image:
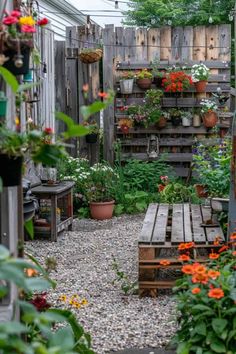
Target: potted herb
[(90, 55), (127, 82), (175, 116), (208, 110), (100, 184), (200, 74), (186, 119), (144, 79)]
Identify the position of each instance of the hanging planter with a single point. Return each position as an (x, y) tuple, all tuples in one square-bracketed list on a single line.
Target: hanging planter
[(200, 86), (3, 104), (102, 210), (18, 62), (91, 138), (126, 86), (90, 55), (209, 119), (11, 170)]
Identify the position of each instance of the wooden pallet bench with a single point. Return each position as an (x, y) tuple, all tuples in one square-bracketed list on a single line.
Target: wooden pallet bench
[(164, 228)]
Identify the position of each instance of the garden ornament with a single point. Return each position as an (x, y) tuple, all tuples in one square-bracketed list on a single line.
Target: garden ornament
[(153, 147)]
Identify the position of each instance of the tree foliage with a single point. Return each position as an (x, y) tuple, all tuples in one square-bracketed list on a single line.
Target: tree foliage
[(154, 13)]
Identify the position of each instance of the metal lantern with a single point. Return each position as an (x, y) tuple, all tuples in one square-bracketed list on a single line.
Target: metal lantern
[(3, 104), (153, 147)]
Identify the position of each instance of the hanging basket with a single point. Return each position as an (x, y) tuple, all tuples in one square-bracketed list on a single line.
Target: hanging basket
[(10, 63), (90, 56)]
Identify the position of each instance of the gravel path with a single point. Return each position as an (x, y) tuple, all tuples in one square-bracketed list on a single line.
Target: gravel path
[(84, 267)]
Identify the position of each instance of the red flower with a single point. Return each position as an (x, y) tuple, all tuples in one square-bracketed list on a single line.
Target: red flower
[(48, 131), (40, 302), (10, 20), (43, 22), (177, 81), (16, 13), (28, 29), (124, 128), (216, 293), (103, 94), (161, 188), (196, 291), (223, 248)]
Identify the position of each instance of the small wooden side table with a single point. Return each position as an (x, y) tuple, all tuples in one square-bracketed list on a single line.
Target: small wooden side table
[(59, 199)]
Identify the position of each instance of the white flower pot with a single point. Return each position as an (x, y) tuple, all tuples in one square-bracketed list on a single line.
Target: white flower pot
[(126, 86), (186, 122)]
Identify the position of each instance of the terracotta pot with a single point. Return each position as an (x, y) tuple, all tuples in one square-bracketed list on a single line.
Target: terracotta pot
[(196, 120), (209, 119), (102, 210), (201, 191), (200, 86), (144, 83), (161, 123)]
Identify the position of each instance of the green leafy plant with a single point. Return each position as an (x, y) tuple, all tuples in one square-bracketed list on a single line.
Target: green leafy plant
[(206, 298), (127, 75), (143, 74), (127, 286), (178, 193), (35, 332), (153, 97)]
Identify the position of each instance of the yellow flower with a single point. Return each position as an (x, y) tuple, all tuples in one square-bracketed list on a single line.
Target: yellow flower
[(27, 20), (84, 302), (74, 296), (78, 305), (63, 298), (17, 121)]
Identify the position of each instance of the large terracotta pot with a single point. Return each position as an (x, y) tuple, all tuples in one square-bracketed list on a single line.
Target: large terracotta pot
[(201, 191), (102, 210), (144, 84), (200, 86), (161, 123), (209, 119)]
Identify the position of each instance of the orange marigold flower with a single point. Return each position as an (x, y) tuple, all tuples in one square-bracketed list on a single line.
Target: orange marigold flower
[(187, 269), (216, 293), (103, 94), (189, 245), (200, 278), (182, 246), (234, 253), (213, 274), (200, 269), (164, 262), (223, 248), (184, 258), (30, 272), (196, 291), (214, 255), (233, 236)]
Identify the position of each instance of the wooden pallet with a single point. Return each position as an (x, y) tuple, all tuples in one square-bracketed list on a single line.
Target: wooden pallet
[(164, 228)]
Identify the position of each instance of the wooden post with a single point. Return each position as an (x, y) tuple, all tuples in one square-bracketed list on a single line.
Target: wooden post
[(108, 84), (60, 83)]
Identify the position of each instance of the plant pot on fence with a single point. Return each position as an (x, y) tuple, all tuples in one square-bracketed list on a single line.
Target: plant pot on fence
[(90, 55), (126, 86), (3, 104), (161, 123), (158, 81), (186, 122), (201, 191), (10, 170), (196, 120), (176, 121), (91, 138), (145, 83), (210, 119), (10, 63), (102, 210), (200, 86)]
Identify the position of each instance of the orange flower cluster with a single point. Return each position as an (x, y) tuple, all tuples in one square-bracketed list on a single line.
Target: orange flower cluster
[(177, 81), (186, 246), (164, 262)]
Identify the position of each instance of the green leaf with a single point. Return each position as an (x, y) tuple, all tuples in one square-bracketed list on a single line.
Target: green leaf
[(3, 291), (95, 107), (29, 227), (76, 130), (37, 284), (218, 346), (4, 253), (9, 78), (13, 327), (200, 328), (219, 324), (202, 308), (63, 338), (183, 348), (41, 269), (65, 118), (232, 294), (28, 86)]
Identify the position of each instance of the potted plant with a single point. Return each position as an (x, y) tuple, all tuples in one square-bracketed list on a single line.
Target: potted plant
[(127, 82), (100, 186), (144, 79), (186, 118), (200, 74), (208, 110), (93, 127), (125, 124), (177, 81), (3, 104), (17, 29), (138, 115), (196, 118), (175, 116), (153, 97), (162, 122), (90, 55)]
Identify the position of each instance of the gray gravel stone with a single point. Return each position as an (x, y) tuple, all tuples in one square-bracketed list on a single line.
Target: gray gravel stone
[(84, 267)]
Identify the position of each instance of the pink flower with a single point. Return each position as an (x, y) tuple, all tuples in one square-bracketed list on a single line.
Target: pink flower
[(28, 29), (43, 22), (10, 20), (164, 178), (16, 13)]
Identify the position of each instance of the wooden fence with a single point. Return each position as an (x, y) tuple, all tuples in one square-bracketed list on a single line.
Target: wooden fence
[(134, 49)]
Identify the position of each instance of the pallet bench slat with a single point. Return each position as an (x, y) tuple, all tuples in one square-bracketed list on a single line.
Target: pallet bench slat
[(177, 232), (159, 232), (148, 224)]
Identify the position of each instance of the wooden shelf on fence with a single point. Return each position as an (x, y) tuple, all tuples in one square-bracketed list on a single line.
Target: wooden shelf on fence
[(169, 130), (164, 64), (168, 157), (225, 87)]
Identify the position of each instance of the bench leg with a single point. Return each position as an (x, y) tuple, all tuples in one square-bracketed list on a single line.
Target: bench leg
[(147, 253)]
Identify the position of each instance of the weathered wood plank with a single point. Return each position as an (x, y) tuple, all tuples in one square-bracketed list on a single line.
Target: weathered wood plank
[(211, 232), (199, 43), (141, 44), (176, 43), (225, 42), (170, 157), (154, 42), (162, 142), (198, 230), (177, 231), (148, 224), (187, 224), (169, 130), (120, 40), (187, 45), (159, 232), (165, 41), (130, 40)]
